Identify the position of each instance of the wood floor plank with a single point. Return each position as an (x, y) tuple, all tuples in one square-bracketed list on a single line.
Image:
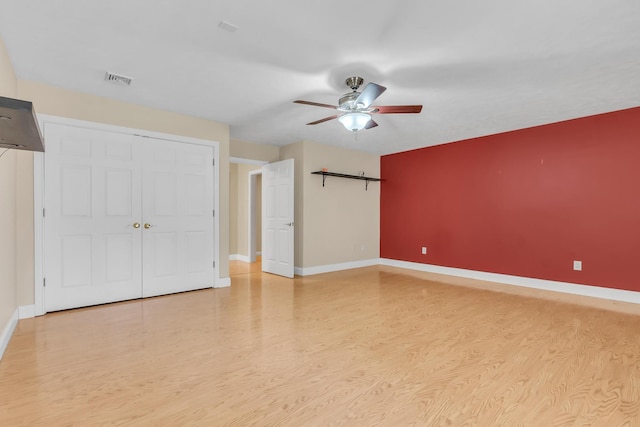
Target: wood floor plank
[(371, 346)]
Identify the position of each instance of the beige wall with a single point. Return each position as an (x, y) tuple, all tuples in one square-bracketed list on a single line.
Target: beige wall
[(259, 212), (253, 151), (233, 208), (8, 191), (8, 79), (25, 267), (341, 221), (66, 103)]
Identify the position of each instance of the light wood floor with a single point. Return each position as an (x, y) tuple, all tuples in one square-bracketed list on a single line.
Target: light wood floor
[(239, 267), (372, 346)]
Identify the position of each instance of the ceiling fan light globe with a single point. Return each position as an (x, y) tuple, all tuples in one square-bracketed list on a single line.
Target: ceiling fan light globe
[(354, 121)]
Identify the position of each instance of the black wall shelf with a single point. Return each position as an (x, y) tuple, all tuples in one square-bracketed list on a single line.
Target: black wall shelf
[(366, 179)]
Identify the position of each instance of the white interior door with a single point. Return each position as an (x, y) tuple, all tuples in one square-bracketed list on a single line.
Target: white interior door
[(125, 217), (177, 204), (277, 218), (92, 193)]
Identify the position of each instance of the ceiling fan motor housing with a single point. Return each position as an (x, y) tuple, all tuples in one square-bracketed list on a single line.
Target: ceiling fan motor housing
[(347, 101)]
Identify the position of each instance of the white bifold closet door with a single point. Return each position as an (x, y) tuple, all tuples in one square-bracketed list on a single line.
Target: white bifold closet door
[(177, 206), (125, 217)]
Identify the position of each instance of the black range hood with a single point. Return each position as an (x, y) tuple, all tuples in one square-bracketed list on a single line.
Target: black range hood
[(18, 126)]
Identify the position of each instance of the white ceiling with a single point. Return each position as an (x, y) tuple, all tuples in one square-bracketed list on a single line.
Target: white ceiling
[(478, 67)]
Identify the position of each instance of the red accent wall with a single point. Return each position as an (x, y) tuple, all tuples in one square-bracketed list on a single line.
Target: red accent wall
[(525, 203)]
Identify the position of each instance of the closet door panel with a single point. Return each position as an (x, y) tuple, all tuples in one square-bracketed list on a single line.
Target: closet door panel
[(92, 200), (178, 213)]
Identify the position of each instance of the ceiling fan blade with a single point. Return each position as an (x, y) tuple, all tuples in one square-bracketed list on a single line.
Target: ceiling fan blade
[(316, 104), (370, 124), (326, 119), (397, 109), (369, 94)]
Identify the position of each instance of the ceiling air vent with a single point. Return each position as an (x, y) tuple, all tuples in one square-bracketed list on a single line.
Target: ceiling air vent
[(227, 26), (118, 78)]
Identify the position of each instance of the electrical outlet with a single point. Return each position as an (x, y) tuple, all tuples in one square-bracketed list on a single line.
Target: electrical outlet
[(577, 265), (424, 250)]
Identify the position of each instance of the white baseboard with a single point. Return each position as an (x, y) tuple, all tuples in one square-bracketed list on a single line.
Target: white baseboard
[(238, 257), (308, 271), (27, 311), (548, 285), (223, 282), (7, 332)]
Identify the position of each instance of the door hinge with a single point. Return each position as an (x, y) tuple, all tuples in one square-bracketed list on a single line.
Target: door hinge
[(214, 264), (213, 162), (44, 282), (214, 212), (43, 212)]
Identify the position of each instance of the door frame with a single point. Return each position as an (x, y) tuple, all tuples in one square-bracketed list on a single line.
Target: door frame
[(38, 195), (251, 205)]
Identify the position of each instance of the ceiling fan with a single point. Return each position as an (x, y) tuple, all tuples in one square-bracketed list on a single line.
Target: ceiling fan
[(355, 109)]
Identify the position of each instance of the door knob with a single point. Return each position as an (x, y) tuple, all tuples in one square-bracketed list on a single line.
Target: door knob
[(290, 224), (136, 225), (147, 225)]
